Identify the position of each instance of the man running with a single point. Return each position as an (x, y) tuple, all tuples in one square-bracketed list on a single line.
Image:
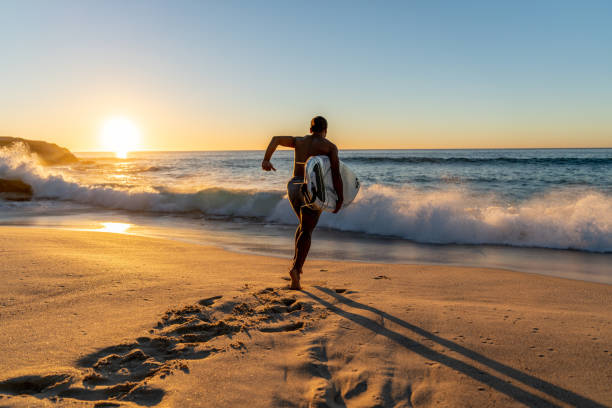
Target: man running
[(314, 144)]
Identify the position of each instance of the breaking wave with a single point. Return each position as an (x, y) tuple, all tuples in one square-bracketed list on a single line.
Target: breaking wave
[(557, 220), (560, 219), (16, 163)]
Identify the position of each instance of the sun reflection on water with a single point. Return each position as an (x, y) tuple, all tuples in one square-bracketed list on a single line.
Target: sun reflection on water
[(116, 227)]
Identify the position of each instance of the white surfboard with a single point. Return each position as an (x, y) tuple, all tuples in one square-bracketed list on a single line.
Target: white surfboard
[(319, 186)]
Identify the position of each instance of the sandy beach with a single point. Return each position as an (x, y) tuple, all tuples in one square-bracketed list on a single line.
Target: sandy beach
[(433, 181), (108, 320)]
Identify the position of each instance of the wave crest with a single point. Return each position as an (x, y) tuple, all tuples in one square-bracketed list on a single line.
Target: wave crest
[(17, 163), (558, 220)]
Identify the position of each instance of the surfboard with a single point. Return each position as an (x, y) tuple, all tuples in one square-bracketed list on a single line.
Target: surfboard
[(319, 186)]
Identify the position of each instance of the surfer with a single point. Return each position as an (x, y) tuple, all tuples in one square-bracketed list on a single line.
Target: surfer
[(314, 144)]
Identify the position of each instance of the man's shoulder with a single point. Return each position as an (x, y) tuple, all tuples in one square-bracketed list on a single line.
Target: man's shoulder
[(331, 145)]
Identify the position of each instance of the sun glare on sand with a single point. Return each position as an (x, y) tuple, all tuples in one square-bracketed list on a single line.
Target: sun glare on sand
[(120, 135)]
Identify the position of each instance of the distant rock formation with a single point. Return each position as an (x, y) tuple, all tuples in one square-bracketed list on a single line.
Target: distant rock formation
[(15, 190), (48, 153)]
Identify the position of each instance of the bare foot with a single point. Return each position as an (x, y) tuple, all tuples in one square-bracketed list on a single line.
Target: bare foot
[(295, 280)]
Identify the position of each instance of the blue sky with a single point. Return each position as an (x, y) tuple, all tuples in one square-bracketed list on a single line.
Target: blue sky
[(227, 75)]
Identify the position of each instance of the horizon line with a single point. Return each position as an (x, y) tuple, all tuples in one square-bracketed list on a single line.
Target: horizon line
[(364, 149)]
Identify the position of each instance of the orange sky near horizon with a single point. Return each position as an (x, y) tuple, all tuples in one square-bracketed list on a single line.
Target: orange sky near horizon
[(175, 125), (167, 135)]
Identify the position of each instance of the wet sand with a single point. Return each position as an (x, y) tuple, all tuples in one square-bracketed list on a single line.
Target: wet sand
[(102, 319)]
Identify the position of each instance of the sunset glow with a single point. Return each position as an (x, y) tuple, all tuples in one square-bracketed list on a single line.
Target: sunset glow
[(116, 227), (120, 135), (420, 76)]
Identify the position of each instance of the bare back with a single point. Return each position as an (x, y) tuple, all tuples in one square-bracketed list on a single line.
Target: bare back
[(306, 147)]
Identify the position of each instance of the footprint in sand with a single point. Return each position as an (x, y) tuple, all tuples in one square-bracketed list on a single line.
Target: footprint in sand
[(121, 372)]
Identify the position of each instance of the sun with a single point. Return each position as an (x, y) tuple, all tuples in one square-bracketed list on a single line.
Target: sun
[(120, 135)]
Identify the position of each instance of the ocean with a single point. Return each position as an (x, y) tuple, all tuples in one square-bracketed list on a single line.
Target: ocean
[(534, 210)]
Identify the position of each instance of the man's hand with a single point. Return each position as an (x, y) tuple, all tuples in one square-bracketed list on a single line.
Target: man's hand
[(267, 166), (338, 206)]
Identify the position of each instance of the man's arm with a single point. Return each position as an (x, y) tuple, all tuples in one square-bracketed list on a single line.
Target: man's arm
[(334, 162), (287, 141)]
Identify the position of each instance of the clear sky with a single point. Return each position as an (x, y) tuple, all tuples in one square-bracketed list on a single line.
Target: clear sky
[(198, 75)]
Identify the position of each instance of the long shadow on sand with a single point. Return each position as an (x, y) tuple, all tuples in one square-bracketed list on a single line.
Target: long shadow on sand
[(518, 394)]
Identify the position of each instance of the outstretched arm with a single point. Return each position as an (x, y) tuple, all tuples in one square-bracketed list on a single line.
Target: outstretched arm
[(287, 141), (334, 162)]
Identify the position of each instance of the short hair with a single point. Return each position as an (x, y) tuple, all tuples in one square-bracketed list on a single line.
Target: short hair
[(318, 124)]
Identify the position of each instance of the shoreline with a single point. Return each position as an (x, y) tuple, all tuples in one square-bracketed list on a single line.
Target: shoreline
[(329, 244), (81, 307)]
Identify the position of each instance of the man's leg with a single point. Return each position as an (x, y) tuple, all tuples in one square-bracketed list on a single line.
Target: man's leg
[(295, 273), (295, 199), (303, 237), (298, 231)]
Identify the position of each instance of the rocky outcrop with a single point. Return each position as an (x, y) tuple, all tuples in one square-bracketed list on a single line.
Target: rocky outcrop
[(48, 153), (15, 190)]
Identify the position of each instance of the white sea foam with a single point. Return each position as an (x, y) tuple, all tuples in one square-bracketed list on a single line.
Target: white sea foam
[(17, 163), (557, 220)]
